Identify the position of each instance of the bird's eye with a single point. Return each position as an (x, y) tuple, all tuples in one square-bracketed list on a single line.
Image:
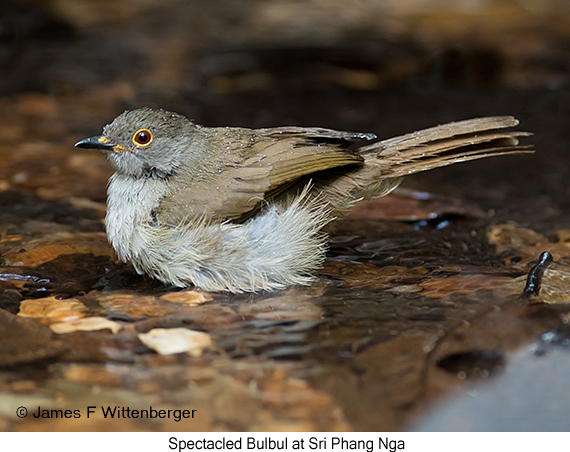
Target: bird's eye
[(143, 137)]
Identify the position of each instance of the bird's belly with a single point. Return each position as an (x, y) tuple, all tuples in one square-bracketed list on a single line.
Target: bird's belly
[(272, 250)]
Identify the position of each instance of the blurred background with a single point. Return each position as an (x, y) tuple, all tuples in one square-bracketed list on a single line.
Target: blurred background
[(67, 67)]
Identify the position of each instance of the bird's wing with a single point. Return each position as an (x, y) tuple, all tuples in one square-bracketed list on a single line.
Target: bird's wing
[(293, 152), (270, 162)]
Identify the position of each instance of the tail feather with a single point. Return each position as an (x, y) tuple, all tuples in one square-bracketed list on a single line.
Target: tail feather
[(445, 145), (443, 132), (411, 167)]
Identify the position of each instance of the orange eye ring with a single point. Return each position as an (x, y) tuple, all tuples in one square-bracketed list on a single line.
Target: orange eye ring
[(142, 137)]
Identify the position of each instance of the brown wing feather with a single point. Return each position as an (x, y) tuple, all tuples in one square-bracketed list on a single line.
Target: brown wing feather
[(272, 161)]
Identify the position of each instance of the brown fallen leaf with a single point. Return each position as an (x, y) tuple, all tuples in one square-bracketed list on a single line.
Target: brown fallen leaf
[(191, 297), (562, 235), (554, 284), (169, 341), (131, 304), (86, 324), (50, 246), (52, 310), (528, 243)]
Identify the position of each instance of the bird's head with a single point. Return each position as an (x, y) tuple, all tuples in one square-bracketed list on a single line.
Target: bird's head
[(146, 142)]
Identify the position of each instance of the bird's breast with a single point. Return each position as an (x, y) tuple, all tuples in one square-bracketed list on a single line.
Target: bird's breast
[(130, 203)]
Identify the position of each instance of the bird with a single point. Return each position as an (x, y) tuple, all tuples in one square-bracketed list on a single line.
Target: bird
[(232, 209)]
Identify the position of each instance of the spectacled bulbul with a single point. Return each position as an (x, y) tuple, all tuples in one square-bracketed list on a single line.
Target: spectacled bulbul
[(244, 210)]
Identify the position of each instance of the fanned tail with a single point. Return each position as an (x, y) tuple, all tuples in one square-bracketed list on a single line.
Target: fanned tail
[(447, 144)]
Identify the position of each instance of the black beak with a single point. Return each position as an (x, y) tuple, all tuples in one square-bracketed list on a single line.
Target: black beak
[(98, 142)]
